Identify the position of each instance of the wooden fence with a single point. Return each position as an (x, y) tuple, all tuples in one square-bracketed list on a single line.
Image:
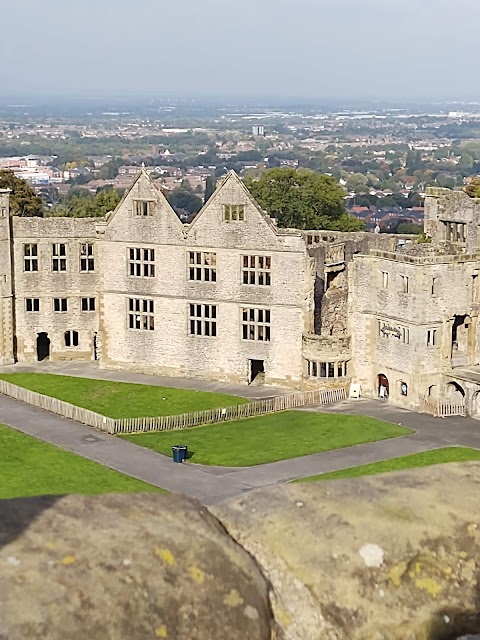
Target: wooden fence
[(443, 408), (167, 423), (61, 408)]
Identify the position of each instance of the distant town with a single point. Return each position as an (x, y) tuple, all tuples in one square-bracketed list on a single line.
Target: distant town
[(383, 157)]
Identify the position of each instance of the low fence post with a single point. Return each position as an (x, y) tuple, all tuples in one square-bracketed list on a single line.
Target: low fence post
[(167, 423)]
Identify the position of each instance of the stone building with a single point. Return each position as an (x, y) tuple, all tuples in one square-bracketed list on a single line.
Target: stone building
[(232, 297)]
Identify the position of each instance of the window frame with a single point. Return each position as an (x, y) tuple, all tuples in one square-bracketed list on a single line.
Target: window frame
[(234, 212), (61, 302), (30, 258), (88, 300), (35, 302), (202, 268), (143, 315), (87, 259), (257, 271), (146, 212), (59, 259), (145, 266), (200, 323), (72, 341), (247, 324), (404, 284), (321, 370)]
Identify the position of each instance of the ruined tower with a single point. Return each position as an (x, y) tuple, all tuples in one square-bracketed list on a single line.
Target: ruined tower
[(6, 284)]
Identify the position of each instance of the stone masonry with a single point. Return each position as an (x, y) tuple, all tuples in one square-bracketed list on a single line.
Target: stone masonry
[(232, 297)]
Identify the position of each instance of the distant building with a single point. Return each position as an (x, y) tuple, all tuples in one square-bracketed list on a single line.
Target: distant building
[(258, 130)]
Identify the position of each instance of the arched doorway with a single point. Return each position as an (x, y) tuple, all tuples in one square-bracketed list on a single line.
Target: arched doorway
[(476, 405), (383, 386), (43, 346), (433, 391), (455, 392)]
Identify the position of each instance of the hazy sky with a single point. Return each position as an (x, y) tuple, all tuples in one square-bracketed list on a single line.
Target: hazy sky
[(411, 49)]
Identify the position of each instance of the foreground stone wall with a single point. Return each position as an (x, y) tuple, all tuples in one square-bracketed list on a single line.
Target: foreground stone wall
[(389, 557), (125, 568)]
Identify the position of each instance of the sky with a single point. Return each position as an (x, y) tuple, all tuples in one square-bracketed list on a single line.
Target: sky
[(302, 49)]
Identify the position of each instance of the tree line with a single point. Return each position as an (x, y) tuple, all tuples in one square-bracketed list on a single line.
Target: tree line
[(300, 199)]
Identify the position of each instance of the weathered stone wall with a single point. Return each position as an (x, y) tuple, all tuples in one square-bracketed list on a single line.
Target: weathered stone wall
[(45, 284), (439, 289), (125, 567), (169, 349), (393, 556), (446, 206), (6, 284)]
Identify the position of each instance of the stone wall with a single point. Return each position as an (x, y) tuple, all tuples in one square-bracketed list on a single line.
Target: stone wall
[(170, 349), (392, 556), (440, 289), (47, 284), (442, 207), (6, 283)]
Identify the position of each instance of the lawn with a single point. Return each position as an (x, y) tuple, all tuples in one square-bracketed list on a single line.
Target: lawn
[(30, 467), (121, 399), (269, 438), (425, 459)]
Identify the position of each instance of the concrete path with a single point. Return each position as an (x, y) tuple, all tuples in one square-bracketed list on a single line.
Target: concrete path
[(213, 484)]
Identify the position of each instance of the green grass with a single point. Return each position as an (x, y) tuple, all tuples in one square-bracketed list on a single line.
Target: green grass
[(120, 399), (269, 438), (30, 467), (425, 459)]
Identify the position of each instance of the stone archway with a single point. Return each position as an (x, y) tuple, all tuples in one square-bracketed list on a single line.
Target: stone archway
[(382, 382), (455, 392), (433, 392), (476, 405)]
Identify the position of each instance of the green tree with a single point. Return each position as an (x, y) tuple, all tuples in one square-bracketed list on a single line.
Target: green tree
[(301, 199), (81, 204), (182, 199), (357, 183), (473, 188), (23, 201), (210, 186)]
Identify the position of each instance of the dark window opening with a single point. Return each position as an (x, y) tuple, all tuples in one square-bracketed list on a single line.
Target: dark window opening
[(257, 368), (43, 346), (71, 338)]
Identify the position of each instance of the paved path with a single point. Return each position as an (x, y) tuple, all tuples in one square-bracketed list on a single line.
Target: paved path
[(213, 484)]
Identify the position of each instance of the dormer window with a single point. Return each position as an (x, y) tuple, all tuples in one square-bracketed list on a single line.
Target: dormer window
[(233, 212), (143, 208)]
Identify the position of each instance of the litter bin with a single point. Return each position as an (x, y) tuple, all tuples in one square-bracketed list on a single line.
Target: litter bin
[(180, 453)]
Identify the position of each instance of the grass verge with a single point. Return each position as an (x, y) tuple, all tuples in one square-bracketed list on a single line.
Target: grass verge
[(424, 459), (277, 436), (121, 399), (30, 467)]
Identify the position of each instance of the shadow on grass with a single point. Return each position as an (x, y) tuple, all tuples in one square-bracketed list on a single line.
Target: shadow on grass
[(190, 454), (17, 514)]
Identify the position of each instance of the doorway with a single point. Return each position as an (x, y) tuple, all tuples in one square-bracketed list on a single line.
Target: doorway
[(460, 335), (383, 384), (257, 371), (43, 346)]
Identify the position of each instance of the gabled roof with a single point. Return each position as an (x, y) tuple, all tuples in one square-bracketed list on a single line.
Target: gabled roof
[(142, 174), (232, 175)]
